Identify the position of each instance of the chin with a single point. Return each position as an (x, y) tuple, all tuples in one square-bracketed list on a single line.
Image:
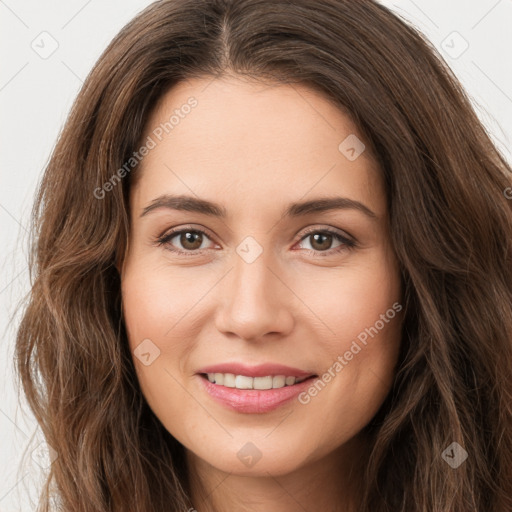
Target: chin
[(253, 457)]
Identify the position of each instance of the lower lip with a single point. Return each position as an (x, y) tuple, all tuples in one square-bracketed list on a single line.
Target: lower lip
[(253, 401)]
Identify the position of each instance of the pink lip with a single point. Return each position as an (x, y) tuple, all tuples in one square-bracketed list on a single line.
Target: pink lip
[(261, 370), (253, 401)]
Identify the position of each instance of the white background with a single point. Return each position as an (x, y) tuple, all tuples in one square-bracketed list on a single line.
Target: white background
[(36, 95)]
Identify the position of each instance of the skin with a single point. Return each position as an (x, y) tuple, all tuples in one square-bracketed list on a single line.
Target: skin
[(254, 148)]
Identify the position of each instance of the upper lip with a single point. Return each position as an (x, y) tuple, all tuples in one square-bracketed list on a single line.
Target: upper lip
[(261, 370)]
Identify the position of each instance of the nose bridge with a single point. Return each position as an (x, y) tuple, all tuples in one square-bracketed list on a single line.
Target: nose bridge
[(252, 276), (256, 299)]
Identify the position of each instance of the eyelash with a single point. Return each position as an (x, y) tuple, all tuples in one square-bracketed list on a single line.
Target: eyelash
[(346, 243)]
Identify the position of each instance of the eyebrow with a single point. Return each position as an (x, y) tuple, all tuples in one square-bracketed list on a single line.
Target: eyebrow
[(298, 209)]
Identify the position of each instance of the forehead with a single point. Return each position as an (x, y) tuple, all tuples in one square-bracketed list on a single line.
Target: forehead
[(254, 142)]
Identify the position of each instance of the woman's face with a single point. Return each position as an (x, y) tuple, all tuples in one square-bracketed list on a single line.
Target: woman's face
[(259, 280)]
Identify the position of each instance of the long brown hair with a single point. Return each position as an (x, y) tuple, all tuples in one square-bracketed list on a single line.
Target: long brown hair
[(451, 228)]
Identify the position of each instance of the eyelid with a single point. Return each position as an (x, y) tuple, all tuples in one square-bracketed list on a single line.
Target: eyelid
[(187, 227), (347, 242), (327, 229), (172, 232)]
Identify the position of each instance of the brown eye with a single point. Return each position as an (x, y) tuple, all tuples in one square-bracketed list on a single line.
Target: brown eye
[(191, 240), (184, 241), (321, 241)]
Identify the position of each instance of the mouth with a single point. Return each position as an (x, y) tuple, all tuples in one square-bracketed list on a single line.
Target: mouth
[(246, 382), (253, 395)]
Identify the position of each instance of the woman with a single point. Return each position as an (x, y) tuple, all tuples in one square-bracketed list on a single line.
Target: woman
[(366, 370)]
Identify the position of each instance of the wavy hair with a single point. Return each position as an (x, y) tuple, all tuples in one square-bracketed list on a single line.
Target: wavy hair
[(451, 228)]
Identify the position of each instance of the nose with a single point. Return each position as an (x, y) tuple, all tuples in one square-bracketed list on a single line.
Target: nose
[(255, 301)]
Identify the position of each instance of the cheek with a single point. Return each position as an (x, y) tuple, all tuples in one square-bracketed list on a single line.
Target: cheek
[(362, 310), (352, 299), (168, 307), (157, 314), (158, 302)]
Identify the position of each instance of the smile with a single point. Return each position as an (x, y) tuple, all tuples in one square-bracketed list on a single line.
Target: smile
[(231, 380), (253, 395)]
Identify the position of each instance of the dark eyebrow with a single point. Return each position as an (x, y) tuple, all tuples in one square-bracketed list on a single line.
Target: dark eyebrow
[(326, 204), (194, 204), (186, 203)]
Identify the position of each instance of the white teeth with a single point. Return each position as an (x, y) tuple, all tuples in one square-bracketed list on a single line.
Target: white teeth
[(229, 380), (244, 382), (262, 382), (278, 381)]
